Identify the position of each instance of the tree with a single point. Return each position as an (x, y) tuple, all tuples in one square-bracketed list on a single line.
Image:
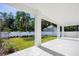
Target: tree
[(2, 23), (71, 28), (1, 26), (31, 25), (22, 21), (10, 20)]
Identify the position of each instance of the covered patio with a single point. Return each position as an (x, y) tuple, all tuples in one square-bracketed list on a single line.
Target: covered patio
[(60, 47), (60, 14)]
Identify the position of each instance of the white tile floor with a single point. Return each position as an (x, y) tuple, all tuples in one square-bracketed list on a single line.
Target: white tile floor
[(33, 51), (57, 47)]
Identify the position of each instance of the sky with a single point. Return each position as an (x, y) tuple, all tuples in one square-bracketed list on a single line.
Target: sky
[(8, 9)]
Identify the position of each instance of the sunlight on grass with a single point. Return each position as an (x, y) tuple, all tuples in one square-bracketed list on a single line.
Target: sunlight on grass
[(47, 38), (21, 43), (24, 42)]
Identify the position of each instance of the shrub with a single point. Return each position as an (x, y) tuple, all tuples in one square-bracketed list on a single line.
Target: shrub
[(1, 40), (10, 47)]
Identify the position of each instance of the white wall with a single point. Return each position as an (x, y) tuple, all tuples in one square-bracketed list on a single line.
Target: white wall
[(66, 34), (74, 34), (15, 34)]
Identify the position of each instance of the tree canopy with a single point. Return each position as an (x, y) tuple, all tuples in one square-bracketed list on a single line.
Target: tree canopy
[(20, 22), (24, 22)]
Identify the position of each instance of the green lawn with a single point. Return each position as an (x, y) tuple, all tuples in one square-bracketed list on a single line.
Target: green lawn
[(47, 38), (24, 42)]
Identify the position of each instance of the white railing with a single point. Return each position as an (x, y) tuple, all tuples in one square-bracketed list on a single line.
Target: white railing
[(15, 34), (74, 34)]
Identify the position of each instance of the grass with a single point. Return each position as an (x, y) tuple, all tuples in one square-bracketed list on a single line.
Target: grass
[(21, 43), (48, 38), (26, 42)]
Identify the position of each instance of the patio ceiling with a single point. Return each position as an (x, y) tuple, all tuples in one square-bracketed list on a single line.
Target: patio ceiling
[(59, 13)]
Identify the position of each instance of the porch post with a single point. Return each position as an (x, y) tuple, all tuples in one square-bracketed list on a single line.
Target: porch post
[(58, 31), (38, 31), (62, 31)]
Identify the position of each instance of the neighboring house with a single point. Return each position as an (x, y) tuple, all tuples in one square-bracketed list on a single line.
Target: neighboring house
[(50, 29)]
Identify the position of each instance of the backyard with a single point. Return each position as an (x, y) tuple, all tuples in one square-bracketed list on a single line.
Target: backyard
[(25, 42), (19, 43), (17, 30)]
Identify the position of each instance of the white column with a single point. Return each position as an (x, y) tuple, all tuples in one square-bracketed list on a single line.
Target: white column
[(62, 31), (38, 31), (58, 31)]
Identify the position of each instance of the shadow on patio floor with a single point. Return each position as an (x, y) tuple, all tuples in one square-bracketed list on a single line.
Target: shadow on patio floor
[(50, 51)]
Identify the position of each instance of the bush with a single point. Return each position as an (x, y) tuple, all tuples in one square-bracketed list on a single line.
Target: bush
[(10, 47), (1, 41), (7, 30)]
